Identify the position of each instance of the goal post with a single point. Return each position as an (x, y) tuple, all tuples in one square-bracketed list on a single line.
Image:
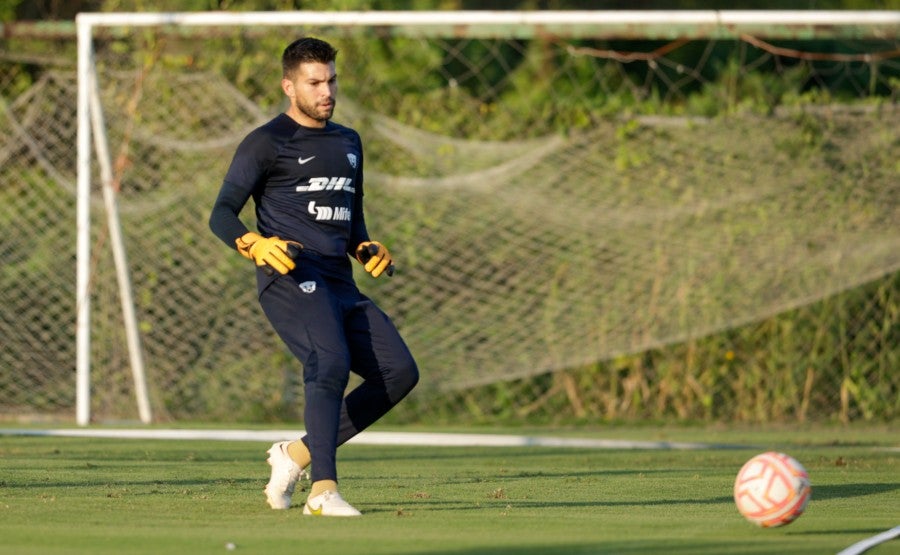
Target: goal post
[(474, 25)]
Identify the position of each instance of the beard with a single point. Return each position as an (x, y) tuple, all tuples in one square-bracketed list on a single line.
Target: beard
[(314, 111)]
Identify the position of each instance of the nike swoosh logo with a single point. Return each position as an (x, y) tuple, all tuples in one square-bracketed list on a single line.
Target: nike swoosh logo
[(305, 160), (315, 512)]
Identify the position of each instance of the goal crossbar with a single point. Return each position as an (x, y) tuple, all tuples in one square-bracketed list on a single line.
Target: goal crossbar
[(650, 24)]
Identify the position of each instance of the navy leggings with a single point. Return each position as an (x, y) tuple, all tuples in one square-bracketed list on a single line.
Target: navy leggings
[(333, 329)]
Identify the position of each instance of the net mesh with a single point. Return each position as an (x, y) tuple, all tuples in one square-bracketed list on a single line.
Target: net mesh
[(550, 205)]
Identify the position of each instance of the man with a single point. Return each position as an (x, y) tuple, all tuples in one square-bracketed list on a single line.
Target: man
[(305, 174)]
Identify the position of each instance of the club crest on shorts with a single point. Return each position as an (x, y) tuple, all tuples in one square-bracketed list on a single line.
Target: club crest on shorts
[(352, 159), (308, 286)]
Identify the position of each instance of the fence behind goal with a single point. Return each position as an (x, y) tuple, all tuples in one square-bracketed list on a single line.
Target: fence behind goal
[(563, 202)]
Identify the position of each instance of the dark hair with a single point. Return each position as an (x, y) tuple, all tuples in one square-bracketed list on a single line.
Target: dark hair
[(306, 50)]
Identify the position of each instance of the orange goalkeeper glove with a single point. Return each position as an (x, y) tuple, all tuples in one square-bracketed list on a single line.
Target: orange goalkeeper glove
[(375, 258), (271, 253)]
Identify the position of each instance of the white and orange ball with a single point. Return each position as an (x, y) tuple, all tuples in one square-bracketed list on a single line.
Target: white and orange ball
[(772, 489)]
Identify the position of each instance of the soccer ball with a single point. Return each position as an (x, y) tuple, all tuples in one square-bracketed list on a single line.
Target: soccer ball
[(772, 489)]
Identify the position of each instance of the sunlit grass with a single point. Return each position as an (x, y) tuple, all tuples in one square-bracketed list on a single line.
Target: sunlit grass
[(66, 495)]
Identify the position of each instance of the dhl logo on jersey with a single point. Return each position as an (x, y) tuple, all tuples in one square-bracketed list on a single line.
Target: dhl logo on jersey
[(327, 184)]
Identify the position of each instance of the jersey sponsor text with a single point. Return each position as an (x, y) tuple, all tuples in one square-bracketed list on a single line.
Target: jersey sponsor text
[(327, 184), (329, 213)]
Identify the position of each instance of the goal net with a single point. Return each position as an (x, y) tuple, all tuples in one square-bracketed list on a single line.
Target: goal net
[(556, 191)]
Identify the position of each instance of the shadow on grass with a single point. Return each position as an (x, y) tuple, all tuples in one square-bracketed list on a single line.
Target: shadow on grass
[(637, 546), (26, 485), (356, 454), (863, 532), (476, 477), (430, 505), (840, 491)]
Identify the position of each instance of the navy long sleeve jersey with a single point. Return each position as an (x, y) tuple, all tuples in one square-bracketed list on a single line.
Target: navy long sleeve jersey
[(306, 183)]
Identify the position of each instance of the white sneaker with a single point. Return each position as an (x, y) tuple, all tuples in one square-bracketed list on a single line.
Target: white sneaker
[(285, 474), (329, 503)]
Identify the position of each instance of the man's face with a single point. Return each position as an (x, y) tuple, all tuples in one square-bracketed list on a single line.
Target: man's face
[(312, 92)]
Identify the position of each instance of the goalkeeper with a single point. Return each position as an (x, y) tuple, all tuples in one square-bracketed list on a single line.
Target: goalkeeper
[(305, 174)]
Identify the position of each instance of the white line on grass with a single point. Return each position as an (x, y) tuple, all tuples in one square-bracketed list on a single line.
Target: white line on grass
[(374, 438), (869, 543)]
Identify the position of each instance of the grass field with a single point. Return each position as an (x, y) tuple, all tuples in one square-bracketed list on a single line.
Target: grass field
[(75, 495)]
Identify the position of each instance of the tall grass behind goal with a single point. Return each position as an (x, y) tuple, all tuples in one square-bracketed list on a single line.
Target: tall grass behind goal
[(557, 192)]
